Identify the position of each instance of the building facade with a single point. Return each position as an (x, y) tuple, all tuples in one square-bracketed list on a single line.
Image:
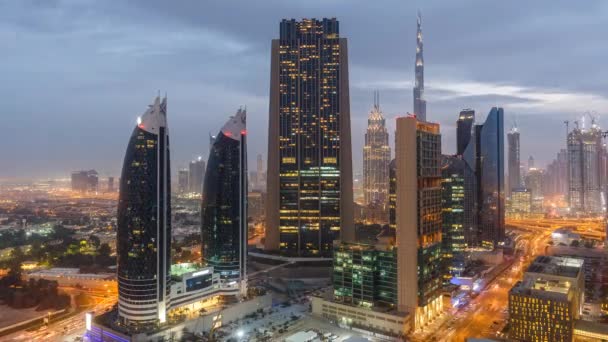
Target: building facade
[(224, 206), (513, 160), (452, 217), (85, 181), (309, 174), (418, 217), (489, 172), (521, 203), (144, 222), (376, 158), (392, 197), (182, 181)]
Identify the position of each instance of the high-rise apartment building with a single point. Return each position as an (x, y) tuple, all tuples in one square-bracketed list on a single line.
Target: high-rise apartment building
[(489, 173), (419, 101), (534, 183), (584, 161), (418, 217), (196, 174), (514, 180), (376, 158), (521, 203), (452, 217), (224, 206), (531, 163), (546, 303), (309, 174), (464, 130), (144, 222)]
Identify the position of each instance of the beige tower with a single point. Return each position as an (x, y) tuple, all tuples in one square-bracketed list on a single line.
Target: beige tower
[(309, 174), (418, 217)]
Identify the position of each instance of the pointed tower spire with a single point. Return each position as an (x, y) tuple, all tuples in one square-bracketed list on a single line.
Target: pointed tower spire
[(419, 102)]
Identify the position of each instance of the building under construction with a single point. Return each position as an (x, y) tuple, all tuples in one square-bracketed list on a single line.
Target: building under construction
[(586, 163)]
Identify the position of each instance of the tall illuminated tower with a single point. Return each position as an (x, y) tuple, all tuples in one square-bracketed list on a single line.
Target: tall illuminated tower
[(376, 158), (309, 174), (224, 207), (419, 101), (418, 216), (144, 222)]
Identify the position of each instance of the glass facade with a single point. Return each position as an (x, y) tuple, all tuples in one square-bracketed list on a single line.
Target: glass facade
[(464, 130), (452, 201), (376, 158), (224, 206), (428, 156), (392, 197), (309, 136), (514, 163), (144, 222), (364, 275), (490, 179), (585, 154)]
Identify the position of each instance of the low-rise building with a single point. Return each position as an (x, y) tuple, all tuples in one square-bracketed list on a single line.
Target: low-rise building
[(545, 304)]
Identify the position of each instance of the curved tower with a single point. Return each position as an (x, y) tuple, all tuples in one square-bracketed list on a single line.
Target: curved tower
[(224, 208), (144, 222)]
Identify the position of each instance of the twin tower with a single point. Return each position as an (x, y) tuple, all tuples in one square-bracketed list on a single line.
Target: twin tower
[(144, 215)]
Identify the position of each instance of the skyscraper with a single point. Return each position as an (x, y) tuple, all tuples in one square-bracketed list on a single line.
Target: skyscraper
[(376, 157), (464, 130), (584, 162), (196, 174), (419, 101), (85, 181), (453, 215), (489, 140), (110, 184), (419, 271), (260, 175), (309, 174), (513, 159), (392, 195), (224, 206), (530, 163), (144, 222)]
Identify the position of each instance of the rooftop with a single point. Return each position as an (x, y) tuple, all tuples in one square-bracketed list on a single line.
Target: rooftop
[(556, 266)]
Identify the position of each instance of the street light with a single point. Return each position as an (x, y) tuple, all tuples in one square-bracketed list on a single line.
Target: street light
[(240, 334)]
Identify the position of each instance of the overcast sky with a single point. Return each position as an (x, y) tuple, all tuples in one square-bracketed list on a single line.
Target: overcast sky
[(77, 73)]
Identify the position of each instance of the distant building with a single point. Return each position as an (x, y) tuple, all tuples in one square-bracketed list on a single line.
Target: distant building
[(521, 203), (182, 181), (585, 150), (531, 164), (452, 217), (110, 184), (535, 184), (514, 180), (556, 180), (546, 303), (419, 101), (260, 175), (85, 181), (309, 174), (196, 175), (489, 172), (376, 158), (418, 216), (224, 206)]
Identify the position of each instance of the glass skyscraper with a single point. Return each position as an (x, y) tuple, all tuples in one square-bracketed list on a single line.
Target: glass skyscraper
[(453, 215), (224, 206), (514, 163), (489, 139), (144, 222), (585, 150), (464, 130), (309, 175)]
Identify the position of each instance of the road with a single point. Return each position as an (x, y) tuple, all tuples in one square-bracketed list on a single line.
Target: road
[(66, 329), (478, 317)]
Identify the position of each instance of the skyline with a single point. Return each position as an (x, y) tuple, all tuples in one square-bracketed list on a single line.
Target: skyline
[(193, 59)]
